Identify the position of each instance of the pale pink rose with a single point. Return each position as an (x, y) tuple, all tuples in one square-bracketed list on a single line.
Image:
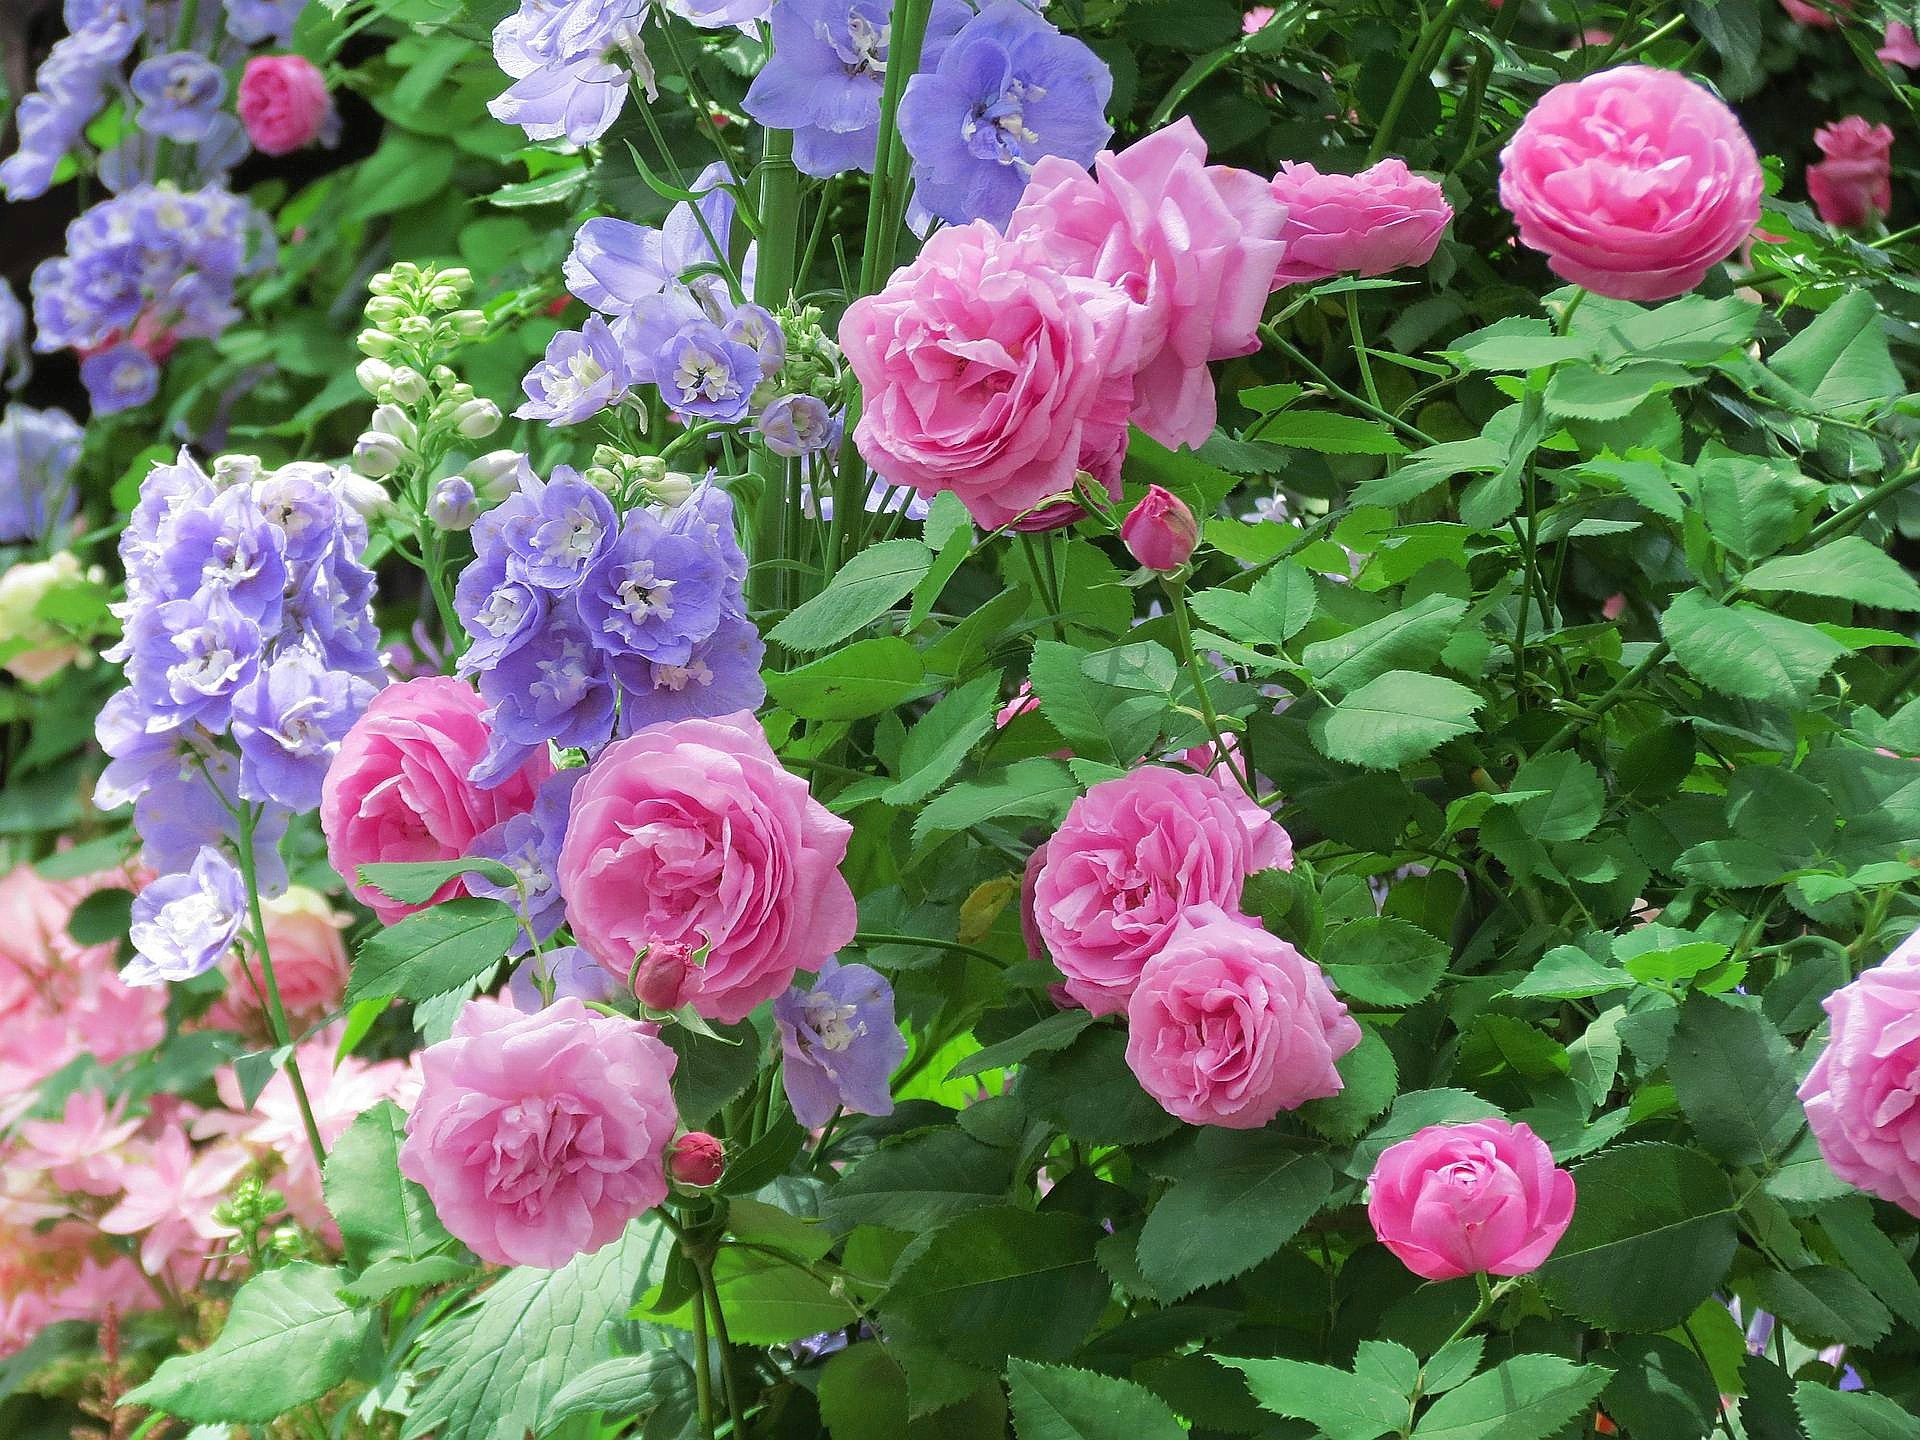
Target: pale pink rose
[(1614, 606), (1255, 20), (171, 1194), (988, 373), (691, 834), (1230, 1025), (1633, 182), (1160, 532), (1192, 247), (1385, 218), (1479, 1198), (1821, 14), (1133, 855), (1900, 47), (85, 1150), (1862, 1096), (284, 104), (538, 1137), (398, 788), (1854, 183), (309, 965)]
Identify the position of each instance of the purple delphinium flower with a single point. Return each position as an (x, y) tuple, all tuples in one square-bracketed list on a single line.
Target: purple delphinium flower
[(120, 377), (704, 373), (557, 687), (253, 22), (564, 59), (798, 425), (720, 677), (529, 845), (1008, 89), (191, 657), (555, 531), (231, 549), (882, 499), (289, 723), (655, 592), (824, 78), (500, 614), (615, 264), (582, 374), (179, 93), (719, 14), (183, 924), (840, 1043), (38, 451), (569, 973)]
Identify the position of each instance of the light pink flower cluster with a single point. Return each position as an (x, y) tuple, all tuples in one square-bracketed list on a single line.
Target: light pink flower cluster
[(1862, 1096), (1853, 184)]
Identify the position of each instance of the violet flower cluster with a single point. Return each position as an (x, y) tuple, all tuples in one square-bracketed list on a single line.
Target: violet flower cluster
[(565, 62), (38, 452), (250, 647), (586, 623), (840, 1043)]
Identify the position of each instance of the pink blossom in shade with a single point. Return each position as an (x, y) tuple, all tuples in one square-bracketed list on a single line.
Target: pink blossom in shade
[(1900, 46), (691, 834), (99, 1284), (398, 788), (1821, 14), (1853, 184), (1133, 855), (309, 965), (1022, 702), (1230, 1025), (538, 1137), (1479, 1198), (1192, 247), (1383, 219), (990, 373), (85, 1149), (1255, 20), (284, 104), (1633, 182), (1862, 1096), (171, 1194), (1595, 39), (1614, 606)]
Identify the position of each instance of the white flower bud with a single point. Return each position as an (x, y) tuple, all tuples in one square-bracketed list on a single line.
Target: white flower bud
[(671, 488), (383, 310), (379, 454), (493, 473), (369, 497), (377, 343), (456, 275), (454, 505), (477, 419), (407, 385), (468, 324), (372, 374), (392, 420)]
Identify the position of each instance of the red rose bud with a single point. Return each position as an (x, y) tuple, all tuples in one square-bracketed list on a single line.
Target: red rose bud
[(696, 1159), (1161, 532)]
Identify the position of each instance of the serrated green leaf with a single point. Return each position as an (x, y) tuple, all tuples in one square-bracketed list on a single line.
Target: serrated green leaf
[(1844, 1415), (417, 882), (1525, 1398), (861, 591), (1056, 1402), (1845, 569), (1242, 1199), (1749, 653), (382, 1215), (1734, 1076), (1407, 638), (1395, 719), (433, 951), (1381, 960), (1342, 1405)]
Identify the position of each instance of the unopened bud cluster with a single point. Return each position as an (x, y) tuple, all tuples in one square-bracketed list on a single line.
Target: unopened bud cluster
[(636, 479), (417, 312)]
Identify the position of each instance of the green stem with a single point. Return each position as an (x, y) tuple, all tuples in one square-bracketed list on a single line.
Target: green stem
[(1488, 1295), (710, 1292), (778, 189), (1426, 50), (1333, 387), (702, 1367), (925, 942), (1360, 350), (1183, 637), (1045, 582)]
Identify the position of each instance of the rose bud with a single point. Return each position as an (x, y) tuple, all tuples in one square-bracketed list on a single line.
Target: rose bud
[(696, 1160), (1161, 532)]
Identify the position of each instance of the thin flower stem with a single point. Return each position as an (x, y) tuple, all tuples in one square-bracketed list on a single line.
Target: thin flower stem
[(1420, 60), (1183, 637), (702, 1367), (1360, 350), (925, 942), (710, 1292)]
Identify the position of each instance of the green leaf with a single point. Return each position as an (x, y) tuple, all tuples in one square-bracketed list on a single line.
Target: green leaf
[(919, 1182), (1329, 433), (1581, 392), (407, 170), (1570, 801), (1055, 1402), (1032, 789), (1567, 972), (1652, 1236), (1842, 359), (1088, 1091), (949, 530), (656, 1384), (1242, 1198), (1517, 343), (501, 1363), (1851, 1415), (769, 1299), (940, 739), (1733, 1075), (1749, 653), (1394, 720), (288, 1339), (1341, 1405), (1525, 1398), (863, 1394), (384, 1277), (433, 951), (102, 918), (995, 1283), (1056, 1032), (1452, 1364), (1407, 638), (1274, 609), (1849, 568), (713, 1069), (1201, 485), (381, 1214), (1369, 1077), (1821, 1304), (861, 679), (1381, 960), (861, 591), (1878, 1262), (416, 882)]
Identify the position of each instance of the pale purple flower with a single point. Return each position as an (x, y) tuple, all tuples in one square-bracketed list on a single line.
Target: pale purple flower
[(231, 549), (722, 676), (840, 1043), (179, 93), (577, 99), (655, 592), (705, 373), (38, 452), (719, 14), (798, 425), (183, 924), (529, 845), (554, 531), (568, 973), (554, 688), (252, 22), (615, 264), (190, 658), (454, 504), (582, 374), (289, 723), (119, 378)]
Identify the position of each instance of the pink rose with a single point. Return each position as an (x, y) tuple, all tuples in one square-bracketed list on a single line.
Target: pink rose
[(538, 1137), (1900, 47), (1160, 532), (1480, 1198), (1132, 856), (1385, 218), (284, 104), (309, 965), (692, 834), (398, 788), (697, 1159), (1230, 1025), (1821, 15), (1633, 182), (1862, 1096), (1192, 246), (1854, 183), (989, 373)]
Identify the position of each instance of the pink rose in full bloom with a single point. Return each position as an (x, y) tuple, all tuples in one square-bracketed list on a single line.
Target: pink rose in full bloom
[(1192, 247), (309, 964), (1479, 1198), (692, 834), (398, 789), (284, 104), (1633, 182), (1132, 856), (538, 1137), (1821, 14), (1385, 218), (1160, 532), (989, 373), (1900, 46), (1230, 1025), (1862, 1096), (1854, 183)]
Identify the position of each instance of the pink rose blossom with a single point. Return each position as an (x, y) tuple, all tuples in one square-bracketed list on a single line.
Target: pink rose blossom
[(1862, 1096), (284, 104), (398, 788), (1230, 1025), (691, 834), (1479, 1198), (1900, 47), (309, 964), (1821, 14), (538, 1137), (1160, 532), (1854, 183), (1192, 247), (1132, 856), (988, 373), (1633, 182), (1385, 218), (697, 1159)]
